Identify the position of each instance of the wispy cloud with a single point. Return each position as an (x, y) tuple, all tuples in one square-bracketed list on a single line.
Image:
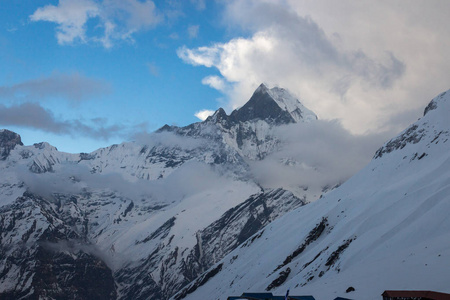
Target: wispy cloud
[(203, 114), (193, 31), (215, 82), (120, 19), (191, 178), (33, 115), (73, 87), (199, 4), (315, 155), (71, 17)]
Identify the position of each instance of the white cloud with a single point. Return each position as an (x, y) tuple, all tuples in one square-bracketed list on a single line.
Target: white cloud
[(358, 65), (202, 56), (71, 17), (215, 82), (203, 114), (193, 31), (119, 19)]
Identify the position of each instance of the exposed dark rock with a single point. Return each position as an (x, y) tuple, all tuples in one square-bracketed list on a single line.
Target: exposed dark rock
[(433, 105), (78, 276), (8, 140), (137, 282), (86, 156), (128, 209), (279, 280), (315, 257), (166, 128), (262, 106), (229, 232), (313, 235), (335, 255), (51, 263), (161, 232), (251, 240), (198, 283), (412, 135)]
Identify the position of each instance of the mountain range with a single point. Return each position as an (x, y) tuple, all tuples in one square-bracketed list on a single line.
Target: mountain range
[(183, 212), (149, 216)]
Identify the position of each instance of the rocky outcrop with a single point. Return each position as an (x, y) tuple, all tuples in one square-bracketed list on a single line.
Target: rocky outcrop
[(8, 140)]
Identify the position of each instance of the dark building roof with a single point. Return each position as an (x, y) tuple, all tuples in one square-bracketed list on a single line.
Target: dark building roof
[(429, 295), (268, 296)]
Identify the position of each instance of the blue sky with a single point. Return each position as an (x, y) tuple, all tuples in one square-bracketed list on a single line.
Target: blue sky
[(83, 74)]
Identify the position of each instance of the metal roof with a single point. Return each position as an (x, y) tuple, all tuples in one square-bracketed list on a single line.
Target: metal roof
[(416, 294)]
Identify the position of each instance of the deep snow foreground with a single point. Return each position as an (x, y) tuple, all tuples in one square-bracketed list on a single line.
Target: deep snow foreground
[(386, 228)]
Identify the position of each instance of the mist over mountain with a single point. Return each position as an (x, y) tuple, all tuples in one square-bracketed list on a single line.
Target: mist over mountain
[(151, 217)]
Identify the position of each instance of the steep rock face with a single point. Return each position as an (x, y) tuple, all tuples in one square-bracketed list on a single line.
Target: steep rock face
[(168, 268), (262, 106), (8, 140), (249, 129), (385, 228), (275, 106), (238, 224), (41, 255)]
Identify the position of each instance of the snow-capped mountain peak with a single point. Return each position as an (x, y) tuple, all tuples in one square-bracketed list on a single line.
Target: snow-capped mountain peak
[(275, 106), (249, 129), (292, 105)]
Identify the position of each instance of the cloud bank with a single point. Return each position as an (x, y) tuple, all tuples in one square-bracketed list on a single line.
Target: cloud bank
[(315, 155), (358, 65), (190, 179)]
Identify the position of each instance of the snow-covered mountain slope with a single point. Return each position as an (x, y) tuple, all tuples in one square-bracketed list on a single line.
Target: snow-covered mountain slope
[(386, 228), (147, 216), (133, 226)]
